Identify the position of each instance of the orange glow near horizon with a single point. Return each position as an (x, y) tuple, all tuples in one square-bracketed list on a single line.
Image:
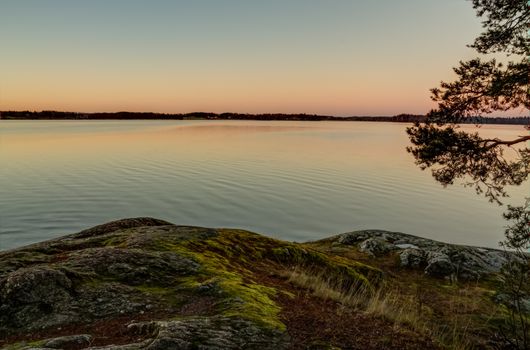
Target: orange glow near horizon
[(316, 95)]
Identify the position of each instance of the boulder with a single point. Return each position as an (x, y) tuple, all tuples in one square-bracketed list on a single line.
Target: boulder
[(413, 258), (375, 246), (35, 297), (439, 265)]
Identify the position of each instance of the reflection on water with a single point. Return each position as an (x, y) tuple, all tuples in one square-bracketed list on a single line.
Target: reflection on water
[(292, 180)]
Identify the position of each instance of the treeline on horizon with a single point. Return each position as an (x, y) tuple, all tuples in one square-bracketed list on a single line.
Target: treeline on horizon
[(400, 118)]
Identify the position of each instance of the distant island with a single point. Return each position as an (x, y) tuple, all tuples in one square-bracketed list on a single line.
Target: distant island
[(400, 118)]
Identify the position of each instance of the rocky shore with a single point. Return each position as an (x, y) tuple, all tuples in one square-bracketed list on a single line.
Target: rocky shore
[(435, 258), (144, 283)]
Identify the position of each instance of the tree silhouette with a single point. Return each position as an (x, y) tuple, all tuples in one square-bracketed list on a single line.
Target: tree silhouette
[(481, 87)]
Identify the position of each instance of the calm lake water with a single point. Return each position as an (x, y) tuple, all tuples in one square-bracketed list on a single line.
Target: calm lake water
[(296, 181)]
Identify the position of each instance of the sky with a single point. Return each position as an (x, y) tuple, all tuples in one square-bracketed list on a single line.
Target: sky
[(332, 57)]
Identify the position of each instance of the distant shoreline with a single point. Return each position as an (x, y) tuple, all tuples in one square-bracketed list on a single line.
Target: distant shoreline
[(401, 118)]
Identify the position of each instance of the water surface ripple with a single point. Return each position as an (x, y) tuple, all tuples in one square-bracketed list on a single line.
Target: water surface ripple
[(292, 180)]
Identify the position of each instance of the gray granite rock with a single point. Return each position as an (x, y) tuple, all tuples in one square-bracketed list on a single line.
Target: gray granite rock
[(437, 258), (439, 264), (216, 333), (376, 246), (412, 257)]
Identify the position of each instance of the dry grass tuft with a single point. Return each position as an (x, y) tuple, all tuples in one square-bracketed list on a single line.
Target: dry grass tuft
[(408, 311)]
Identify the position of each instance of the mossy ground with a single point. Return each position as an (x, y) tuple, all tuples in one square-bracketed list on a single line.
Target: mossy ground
[(231, 260)]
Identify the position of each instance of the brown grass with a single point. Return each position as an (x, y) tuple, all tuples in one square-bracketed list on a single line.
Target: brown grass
[(410, 311)]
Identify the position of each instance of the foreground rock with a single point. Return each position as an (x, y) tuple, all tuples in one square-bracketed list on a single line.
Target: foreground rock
[(148, 284), (435, 258), (192, 286)]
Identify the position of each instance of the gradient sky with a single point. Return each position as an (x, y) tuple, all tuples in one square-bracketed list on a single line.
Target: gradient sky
[(338, 57)]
